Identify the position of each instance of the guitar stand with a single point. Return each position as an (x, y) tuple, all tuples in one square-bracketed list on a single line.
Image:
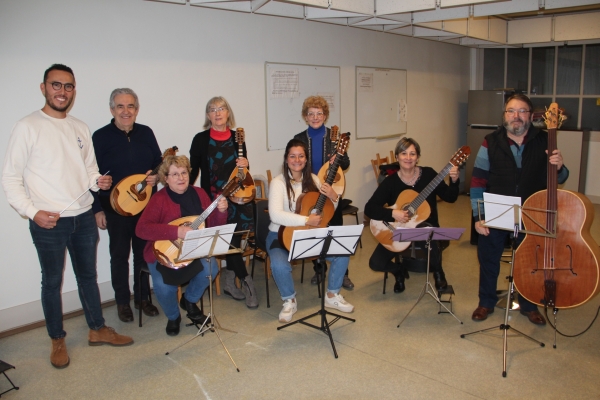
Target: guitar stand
[(430, 290), (208, 325), (505, 327), (324, 327)]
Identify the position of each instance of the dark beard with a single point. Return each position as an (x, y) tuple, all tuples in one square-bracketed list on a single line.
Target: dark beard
[(59, 109), (520, 131)]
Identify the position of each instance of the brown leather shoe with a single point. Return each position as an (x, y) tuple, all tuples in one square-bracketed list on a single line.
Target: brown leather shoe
[(125, 313), (59, 357), (481, 313), (535, 317), (107, 335), (148, 308)]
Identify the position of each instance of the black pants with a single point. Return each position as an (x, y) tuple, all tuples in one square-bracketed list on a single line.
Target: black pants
[(235, 262), (382, 259), (121, 233)]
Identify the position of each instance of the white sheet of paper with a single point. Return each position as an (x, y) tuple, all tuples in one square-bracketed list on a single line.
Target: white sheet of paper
[(346, 238), (499, 211), (197, 243)]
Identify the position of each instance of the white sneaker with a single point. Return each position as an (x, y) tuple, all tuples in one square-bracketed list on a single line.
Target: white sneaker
[(289, 309), (338, 302)]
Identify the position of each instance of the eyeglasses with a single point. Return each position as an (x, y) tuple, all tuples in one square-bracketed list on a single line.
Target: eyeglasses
[(58, 85), (315, 114), (521, 111), (214, 110), (178, 175)]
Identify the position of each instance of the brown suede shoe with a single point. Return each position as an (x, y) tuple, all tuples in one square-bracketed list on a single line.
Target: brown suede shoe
[(59, 357), (107, 335), (535, 317), (481, 313)]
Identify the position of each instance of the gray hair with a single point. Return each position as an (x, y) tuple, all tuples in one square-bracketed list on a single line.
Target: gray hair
[(218, 100), (119, 91)]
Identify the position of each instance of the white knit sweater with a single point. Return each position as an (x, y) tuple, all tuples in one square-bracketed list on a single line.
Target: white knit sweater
[(279, 209), (48, 163)]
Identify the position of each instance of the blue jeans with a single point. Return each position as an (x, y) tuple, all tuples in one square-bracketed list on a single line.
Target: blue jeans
[(489, 251), (282, 270), (167, 294), (79, 235)]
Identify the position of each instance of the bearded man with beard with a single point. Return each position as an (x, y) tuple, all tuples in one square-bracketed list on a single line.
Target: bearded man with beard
[(512, 161), (49, 169)]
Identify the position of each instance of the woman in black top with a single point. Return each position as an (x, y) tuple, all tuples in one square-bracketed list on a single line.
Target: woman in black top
[(214, 152), (409, 176)]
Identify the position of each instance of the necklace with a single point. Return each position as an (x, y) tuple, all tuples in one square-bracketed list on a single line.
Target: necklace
[(412, 180)]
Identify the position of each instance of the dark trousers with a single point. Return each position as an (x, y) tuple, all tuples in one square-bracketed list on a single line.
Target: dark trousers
[(382, 259), (121, 232), (489, 252), (235, 262)]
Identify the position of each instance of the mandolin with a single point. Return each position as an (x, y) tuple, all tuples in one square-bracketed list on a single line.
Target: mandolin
[(413, 202), (557, 263), (339, 181), (248, 191), (130, 196), (167, 251), (315, 202)]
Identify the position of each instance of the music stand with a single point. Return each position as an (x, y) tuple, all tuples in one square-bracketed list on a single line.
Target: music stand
[(427, 234), (498, 209), (207, 243), (338, 241)]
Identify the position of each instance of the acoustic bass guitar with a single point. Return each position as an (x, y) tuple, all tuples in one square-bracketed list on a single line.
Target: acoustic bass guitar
[(339, 180), (248, 190), (167, 251), (557, 263), (413, 202), (130, 196), (315, 202)]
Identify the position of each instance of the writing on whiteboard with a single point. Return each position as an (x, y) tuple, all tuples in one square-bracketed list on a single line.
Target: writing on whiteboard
[(284, 83)]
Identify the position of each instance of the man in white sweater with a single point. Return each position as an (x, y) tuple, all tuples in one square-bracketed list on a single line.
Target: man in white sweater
[(48, 171)]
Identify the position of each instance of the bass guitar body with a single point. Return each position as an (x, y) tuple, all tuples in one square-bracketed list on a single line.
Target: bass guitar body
[(129, 197), (167, 251), (305, 205), (383, 233), (570, 260)]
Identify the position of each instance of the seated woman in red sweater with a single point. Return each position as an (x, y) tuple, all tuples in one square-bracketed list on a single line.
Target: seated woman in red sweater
[(177, 199)]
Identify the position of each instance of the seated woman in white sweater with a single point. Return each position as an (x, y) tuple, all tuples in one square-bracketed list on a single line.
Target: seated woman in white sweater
[(283, 193)]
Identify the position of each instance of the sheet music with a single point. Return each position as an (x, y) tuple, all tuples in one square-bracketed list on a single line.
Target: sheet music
[(197, 243), (499, 211), (346, 238)]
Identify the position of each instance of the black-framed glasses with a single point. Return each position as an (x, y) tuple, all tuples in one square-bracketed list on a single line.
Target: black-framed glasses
[(58, 85), (521, 111)]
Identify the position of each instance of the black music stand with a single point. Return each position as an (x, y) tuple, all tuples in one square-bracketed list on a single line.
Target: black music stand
[(338, 241), (505, 327), (4, 366), (208, 243), (427, 234)]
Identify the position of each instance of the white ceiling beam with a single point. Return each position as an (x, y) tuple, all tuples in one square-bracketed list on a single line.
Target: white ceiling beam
[(440, 14), (577, 26), (505, 7), (242, 6), (366, 7), (553, 4), (402, 6), (170, 1), (498, 30), (314, 3), (376, 21), (315, 13), (426, 32), (454, 3), (255, 5), (282, 10)]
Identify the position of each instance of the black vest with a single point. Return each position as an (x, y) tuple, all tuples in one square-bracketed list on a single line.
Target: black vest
[(504, 176)]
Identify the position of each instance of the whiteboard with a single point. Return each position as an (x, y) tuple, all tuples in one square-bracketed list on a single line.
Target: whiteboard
[(381, 104), (286, 88)]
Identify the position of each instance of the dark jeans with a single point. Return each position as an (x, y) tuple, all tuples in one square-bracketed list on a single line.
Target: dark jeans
[(79, 235), (121, 232), (382, 259), (489, 251)]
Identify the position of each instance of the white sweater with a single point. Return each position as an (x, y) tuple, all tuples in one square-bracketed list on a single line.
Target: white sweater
[(49, 162), (279, 209)]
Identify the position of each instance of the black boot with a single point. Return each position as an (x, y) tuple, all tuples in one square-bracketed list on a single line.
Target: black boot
[(173, 326), (193, 312), (440, 279), (399, 285)]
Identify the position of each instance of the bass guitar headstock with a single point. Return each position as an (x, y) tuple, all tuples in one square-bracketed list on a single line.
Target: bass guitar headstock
[(554, 117), (460, 156), (240, 136)]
